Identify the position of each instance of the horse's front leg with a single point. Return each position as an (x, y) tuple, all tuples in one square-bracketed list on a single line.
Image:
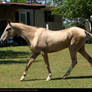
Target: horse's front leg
[(33, 57), (45, 56)]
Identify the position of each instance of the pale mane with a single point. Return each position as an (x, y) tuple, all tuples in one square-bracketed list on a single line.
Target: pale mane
[(23, 26)]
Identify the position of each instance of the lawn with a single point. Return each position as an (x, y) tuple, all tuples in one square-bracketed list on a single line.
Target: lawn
[(13, 61)]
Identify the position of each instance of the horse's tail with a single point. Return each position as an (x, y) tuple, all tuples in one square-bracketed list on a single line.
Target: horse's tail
[(88, 34)]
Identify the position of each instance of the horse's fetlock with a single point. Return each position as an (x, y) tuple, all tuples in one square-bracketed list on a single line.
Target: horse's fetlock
[(24, 73)]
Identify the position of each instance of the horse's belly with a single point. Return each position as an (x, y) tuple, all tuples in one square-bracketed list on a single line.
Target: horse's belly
[(57, 47)]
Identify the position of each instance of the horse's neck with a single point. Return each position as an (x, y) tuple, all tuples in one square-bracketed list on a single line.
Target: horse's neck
[(26, 33)]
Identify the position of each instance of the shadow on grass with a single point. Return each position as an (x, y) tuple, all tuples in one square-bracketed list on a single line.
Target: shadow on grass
[(17, 62), (13, 54), (12, 62), (16, 57), (33, 80), (75, 77)]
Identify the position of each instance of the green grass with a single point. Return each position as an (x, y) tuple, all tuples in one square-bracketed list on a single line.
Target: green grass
[(13, 61)]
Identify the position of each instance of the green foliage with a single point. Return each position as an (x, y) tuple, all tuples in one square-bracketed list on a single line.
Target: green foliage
[(74, 9), (18, 1), (23, 1)]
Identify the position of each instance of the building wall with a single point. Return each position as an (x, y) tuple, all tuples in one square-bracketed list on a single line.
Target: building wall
[(40, 20), (56, 24), (37, 17), (7, 13)]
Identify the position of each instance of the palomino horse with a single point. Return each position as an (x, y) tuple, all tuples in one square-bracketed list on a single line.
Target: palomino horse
[(43, 41)]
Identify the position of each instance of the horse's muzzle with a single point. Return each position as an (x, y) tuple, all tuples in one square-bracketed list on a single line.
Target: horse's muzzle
[(2, 41)]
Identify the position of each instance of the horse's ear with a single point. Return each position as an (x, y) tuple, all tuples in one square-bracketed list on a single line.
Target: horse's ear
[(9, 22)]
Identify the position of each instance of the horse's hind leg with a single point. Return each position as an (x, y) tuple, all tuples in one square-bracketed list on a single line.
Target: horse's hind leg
[(85, 55), (74, 62)]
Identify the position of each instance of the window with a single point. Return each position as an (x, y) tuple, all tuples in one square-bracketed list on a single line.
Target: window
[(49, 17), (24, 17), (28, 18), (17, 16)]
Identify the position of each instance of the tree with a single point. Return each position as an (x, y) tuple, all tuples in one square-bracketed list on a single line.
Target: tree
[(18, 1), (24, 1), (76, 10)]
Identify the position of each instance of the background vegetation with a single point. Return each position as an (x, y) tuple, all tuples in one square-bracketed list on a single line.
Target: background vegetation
[(78, 12)]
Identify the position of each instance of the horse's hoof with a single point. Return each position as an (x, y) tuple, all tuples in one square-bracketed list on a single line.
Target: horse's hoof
[(22, 78), (64, 77), (48, 79)]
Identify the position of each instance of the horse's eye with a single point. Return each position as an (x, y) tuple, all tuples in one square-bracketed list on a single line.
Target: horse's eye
[(8, 29)]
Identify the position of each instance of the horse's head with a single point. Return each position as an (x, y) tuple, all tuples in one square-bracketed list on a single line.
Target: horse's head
[(8, 33)]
